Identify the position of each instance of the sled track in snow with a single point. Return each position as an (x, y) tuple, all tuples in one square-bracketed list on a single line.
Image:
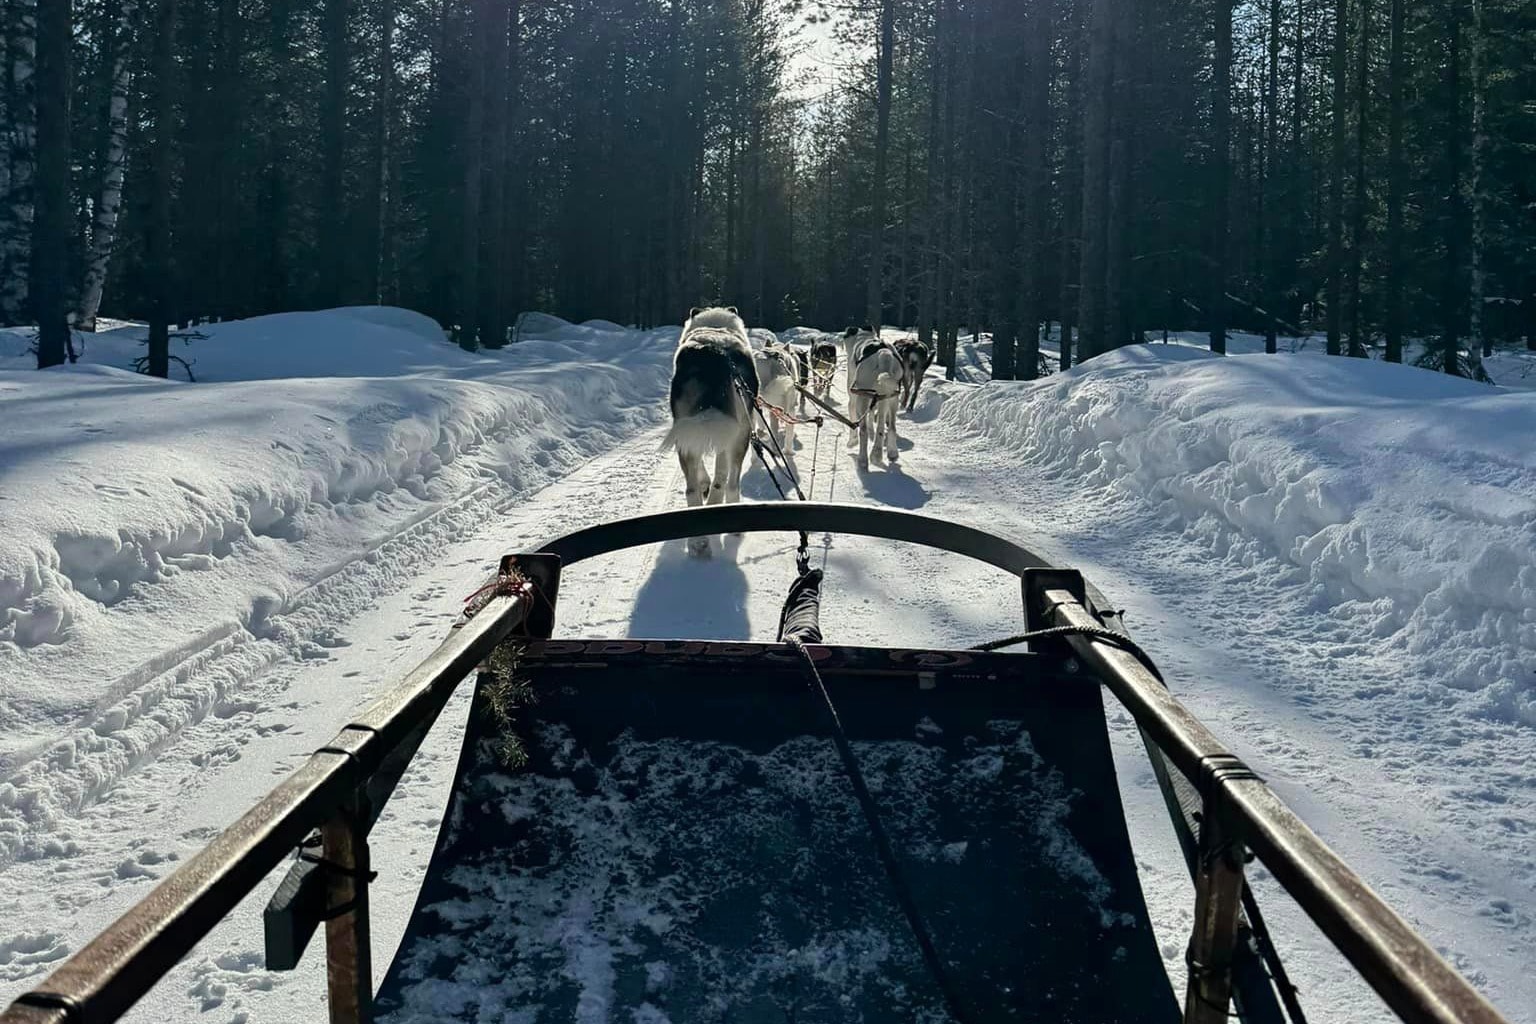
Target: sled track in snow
[(150, 707)]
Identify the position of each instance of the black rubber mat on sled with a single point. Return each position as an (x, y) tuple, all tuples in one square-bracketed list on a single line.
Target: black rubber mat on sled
[(684, 846)]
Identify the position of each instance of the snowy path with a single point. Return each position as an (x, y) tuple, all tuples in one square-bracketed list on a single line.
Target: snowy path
[(1301, 701)]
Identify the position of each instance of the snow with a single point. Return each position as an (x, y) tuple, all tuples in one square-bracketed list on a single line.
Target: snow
[(1326, 477), (135, 513), (1334, 562)]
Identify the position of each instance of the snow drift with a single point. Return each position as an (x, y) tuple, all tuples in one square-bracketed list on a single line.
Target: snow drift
[(120, 495), (1401, 502)]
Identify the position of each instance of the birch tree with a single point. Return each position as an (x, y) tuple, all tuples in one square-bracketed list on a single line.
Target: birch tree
[(108, 200)]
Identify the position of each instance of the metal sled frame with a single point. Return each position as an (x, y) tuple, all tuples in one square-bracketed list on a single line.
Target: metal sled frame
[(1219, 807)]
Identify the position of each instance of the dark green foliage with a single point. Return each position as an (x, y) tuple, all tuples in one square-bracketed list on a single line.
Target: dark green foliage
[(627, 159)]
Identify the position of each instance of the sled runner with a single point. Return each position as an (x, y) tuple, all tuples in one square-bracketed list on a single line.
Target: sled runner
[(689, 831)]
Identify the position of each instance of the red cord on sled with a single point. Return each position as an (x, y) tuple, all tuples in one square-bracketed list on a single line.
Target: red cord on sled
[(504, 585)]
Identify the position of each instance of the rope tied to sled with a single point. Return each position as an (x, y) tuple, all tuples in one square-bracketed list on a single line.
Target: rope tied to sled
[(1113, 637), (756, 404), (504, 584), (783, 416)]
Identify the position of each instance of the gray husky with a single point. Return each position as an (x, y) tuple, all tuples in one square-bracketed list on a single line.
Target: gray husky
[(915, 358)]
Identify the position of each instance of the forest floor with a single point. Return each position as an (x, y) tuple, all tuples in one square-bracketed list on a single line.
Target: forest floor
[(1333, 561)]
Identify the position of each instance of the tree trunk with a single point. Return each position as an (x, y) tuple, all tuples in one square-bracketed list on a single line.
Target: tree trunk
[(1095, 220), (1358, 229), (1071, 179), (225, 132), (1451, 220), (8, 46), (474, 169), (493, 330), (1116, 251), (903, 274), (510, 284), (677, 169), (1298, 97), (109, 194), (729, 275), (1336, 179), (759, 223), (272, 199), (20, 139), (1479, 343), (377, 258), (51, 222), (874, 298), (157, 224), (1221, 114), (1268, 249), (1394, 254), (1033, 205), (945, 311), (928, 288), (333, 126)]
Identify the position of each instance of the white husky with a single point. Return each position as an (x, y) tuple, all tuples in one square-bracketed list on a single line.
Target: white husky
[(875, 373), (779, 369), (714, 383)]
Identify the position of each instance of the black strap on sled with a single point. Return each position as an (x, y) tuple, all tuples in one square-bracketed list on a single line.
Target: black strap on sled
[(800, 621), (803, 552), (899, 886), (800, 624)]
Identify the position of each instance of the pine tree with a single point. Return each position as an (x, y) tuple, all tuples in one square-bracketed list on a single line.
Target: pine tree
[(1336, 175), (874, 298), (1095, 198), (1357, 340), (51, 221), (1221, 114), (112, 147), (20, 140), (1395, 171), (157, 222)]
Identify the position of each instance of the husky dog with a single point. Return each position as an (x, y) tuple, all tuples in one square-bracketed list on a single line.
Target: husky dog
[(714, 383), (779, 368), (915, 359), (823, 366), (875, 375)]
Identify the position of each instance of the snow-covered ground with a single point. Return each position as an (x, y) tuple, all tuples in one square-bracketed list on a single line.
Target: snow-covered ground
[(1334, 562)]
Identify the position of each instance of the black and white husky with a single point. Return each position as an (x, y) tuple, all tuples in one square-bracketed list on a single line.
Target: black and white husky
[(875, 375), (823, 366), (915, 358), (714, 384), (779, 369)]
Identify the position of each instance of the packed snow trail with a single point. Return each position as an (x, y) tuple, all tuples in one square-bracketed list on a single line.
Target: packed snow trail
[(1433, 804)]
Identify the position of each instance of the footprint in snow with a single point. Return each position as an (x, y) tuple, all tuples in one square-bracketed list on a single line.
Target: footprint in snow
[(29, 953), (225, 978)]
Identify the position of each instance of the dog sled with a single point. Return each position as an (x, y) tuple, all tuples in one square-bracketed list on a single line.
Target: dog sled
[(672, 830)]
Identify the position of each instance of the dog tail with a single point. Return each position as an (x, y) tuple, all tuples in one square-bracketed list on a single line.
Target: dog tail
[(703, 432)]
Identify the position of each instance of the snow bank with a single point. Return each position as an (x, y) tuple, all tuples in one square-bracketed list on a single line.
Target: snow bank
[(1401, 502), (149, 528), (802, 336)]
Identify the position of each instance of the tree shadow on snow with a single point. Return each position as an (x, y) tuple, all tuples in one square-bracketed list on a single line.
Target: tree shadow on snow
[(693, 598)]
